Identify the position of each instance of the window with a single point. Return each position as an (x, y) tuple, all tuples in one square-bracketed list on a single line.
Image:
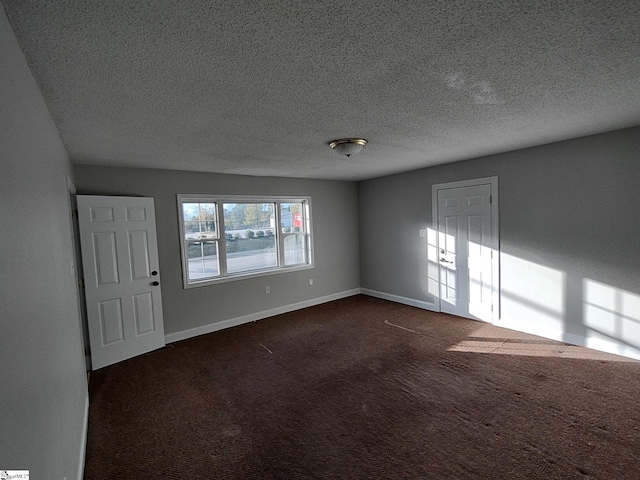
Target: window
[(230, 237)]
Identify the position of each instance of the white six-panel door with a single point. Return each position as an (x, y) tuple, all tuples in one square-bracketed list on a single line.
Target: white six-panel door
[(121, 277), (468, 249)]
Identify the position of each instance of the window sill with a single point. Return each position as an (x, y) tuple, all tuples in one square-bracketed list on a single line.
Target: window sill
[(247, 275)]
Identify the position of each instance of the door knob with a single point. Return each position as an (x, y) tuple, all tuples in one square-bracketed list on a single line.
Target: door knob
[(155, 284), (154, 273)]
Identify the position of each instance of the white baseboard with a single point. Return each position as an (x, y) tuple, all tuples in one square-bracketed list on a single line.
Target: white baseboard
[(599, 344), (596, 344), (233, 322), (398, 299), (603, 345)]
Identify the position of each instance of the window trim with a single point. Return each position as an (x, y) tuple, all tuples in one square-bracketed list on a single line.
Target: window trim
[(219, 200)]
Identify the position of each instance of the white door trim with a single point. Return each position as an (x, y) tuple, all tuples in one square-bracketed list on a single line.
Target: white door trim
[(77, 270), (495, 234)]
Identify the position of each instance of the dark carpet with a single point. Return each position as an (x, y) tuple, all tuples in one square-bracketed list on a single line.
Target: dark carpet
[(362, 388)]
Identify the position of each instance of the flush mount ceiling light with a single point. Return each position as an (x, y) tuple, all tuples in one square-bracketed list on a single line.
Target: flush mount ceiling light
[(348, 146)]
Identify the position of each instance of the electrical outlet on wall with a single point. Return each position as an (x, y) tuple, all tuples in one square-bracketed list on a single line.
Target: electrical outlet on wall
[(310, 281), (267, 289)]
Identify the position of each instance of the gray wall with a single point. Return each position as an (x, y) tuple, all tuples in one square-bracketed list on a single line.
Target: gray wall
[(569, 236), (335, 227), (44, 389)]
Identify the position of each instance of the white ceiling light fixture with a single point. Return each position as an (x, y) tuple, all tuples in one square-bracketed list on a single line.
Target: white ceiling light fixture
[(348, 146)]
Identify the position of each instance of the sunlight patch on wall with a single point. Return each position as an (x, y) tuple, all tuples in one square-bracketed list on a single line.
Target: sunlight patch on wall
[(610, 314), (532, 294)]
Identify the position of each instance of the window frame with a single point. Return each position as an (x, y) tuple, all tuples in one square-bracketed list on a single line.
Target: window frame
[(221, 239)]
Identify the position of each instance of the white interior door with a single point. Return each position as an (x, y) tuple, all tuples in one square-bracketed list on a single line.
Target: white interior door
[(121, 276), (468, 244)]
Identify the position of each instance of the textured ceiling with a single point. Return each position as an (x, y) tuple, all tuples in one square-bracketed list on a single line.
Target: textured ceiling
[(260, 88)]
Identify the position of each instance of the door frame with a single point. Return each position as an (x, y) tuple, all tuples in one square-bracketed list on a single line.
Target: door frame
[(495, 236), (78, 272)]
